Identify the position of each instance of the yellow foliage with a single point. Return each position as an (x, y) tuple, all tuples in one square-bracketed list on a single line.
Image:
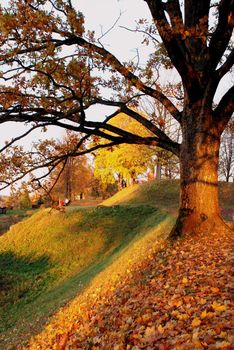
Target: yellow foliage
[(127, 160), (196, 322), (160, 329), (203, 314), (184, 280), (218, 307)]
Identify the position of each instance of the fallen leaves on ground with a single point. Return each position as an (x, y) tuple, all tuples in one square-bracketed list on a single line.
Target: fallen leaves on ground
[(177, 297)]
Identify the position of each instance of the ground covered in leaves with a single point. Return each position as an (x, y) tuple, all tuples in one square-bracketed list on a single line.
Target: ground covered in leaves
[(159, 296)]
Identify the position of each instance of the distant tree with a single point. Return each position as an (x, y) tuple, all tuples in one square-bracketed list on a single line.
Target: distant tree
[(100, 189), (167, 163), (24, 199), (74, 179), (171, 167), (72, 176), (226, 162), (123, 163)]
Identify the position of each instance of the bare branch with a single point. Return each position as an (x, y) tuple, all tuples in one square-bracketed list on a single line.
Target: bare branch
[(109, 29), (143, 32), (22, 136)]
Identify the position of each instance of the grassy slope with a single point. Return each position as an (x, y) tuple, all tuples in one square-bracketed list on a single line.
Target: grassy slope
[(156, 295), (48, 258), (165, 195)]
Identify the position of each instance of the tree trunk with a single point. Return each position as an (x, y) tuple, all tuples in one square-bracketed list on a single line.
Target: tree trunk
[(68, 180), (199, 209), (158, 171)]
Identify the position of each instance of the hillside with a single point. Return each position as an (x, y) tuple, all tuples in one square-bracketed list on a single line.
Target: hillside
[(165, 195), (46, 259), (155, 295), (110, 255)]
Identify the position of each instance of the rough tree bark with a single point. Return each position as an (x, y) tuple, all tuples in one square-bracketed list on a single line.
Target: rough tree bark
[(199, 157)]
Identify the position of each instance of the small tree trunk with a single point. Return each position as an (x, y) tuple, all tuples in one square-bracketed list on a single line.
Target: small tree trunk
[(158, 171), (120, 179), (68, 180), (199, 208)]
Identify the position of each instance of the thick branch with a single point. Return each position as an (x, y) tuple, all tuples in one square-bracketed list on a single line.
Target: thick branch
[(115, 63), (135, 81), (111, 128), (172, 40), (226, 66), (136, 139), (221, 36), (153, 128), (195, 11)]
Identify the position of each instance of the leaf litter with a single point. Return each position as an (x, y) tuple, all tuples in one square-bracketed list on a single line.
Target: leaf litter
[(173, 296)]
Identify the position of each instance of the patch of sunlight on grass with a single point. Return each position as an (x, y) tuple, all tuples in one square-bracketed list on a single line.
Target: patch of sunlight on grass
[(123, 196), (161, 194)]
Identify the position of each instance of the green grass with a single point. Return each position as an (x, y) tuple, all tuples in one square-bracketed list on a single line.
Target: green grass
[(164, 194), (46, 259), (21, 280)]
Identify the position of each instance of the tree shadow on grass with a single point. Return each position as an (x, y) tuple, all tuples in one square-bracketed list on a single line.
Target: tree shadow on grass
[(119, 223), (22, 279)]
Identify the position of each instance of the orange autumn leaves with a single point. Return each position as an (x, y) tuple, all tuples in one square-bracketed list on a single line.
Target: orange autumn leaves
[(177, 297)]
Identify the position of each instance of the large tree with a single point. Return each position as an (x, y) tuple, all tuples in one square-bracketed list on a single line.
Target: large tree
[(55, 70)]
